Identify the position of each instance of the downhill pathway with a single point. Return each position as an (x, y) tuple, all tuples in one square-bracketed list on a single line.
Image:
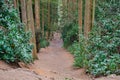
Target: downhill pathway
[(55, 63)]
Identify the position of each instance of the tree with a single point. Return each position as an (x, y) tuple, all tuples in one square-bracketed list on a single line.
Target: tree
[(43, 23), (37, 14), (87, 17), (80, 16), (30, 25), (23, 12), (93, 12), (15, 3), (49, 23), (74, 5), (37, 23)]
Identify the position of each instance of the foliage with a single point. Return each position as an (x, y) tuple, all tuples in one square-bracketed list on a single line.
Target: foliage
[(43, 43), (100, 54), (49, 25), (104, 64), (78, 49), (104, 41), (14, 41), (70, 34)]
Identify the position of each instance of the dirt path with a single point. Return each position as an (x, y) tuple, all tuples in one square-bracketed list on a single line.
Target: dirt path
[(56, 63)]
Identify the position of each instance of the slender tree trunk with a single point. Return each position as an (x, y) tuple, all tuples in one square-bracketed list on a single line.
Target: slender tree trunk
[(80, 17), (87, 18), (64, 2), (23, 12), (51, 20), (15, 3), (74, 5), (49, 23), (43, 21), (37, 14), (93, 13), (37, 23), (31, 26)]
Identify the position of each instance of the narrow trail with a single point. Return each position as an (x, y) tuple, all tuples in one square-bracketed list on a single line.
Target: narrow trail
[(56, 63)]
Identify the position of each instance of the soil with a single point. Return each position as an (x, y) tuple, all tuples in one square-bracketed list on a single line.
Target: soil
[(54, 63)]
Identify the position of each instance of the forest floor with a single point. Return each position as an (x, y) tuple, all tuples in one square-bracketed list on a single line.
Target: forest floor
[(55, 63)]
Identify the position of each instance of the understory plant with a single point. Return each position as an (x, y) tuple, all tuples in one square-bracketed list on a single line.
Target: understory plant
[(104, 40), (44, 43), (70, 34), (14, 40), (100, 53), (80, 52)]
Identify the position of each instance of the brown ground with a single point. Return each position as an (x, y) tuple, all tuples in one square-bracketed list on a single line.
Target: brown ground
[(55, 63)]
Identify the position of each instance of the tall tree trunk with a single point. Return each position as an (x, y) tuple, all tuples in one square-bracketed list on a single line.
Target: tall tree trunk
[(43, 23), (15, 3), (49, 23), (80, 17), (74, 5), (93, 13), (87, 18), (37, 14), (23, 12), (37, 23), (31, 26)]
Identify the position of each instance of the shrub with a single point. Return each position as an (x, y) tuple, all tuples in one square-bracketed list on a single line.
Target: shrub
[(43, 43), (70, 34), (14, 40), (100, 54), (104, 40), (80, 52), (103, 64)]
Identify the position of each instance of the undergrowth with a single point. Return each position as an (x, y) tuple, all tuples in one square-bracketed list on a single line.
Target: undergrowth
[(100, 53), (69, 34), (14, 40), (44, 43)]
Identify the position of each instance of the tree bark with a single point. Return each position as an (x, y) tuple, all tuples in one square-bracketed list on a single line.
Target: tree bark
[(15, 3), (87, 18), (93, 13), (30, 22), (80, 16), (37, 14), (74, 5), (49, 24), (37, 23), (43, 21), (23, 12)]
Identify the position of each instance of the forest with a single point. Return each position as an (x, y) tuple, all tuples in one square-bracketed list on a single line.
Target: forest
[(60, 39)]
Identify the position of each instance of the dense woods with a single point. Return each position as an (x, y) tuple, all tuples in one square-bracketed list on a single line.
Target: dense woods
[(89, 28)]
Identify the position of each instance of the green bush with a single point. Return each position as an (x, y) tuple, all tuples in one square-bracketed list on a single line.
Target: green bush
[(14, 40), (104, 64), (100, 54), (70, 34), (104, 41), (78, 49), (43, 43)]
